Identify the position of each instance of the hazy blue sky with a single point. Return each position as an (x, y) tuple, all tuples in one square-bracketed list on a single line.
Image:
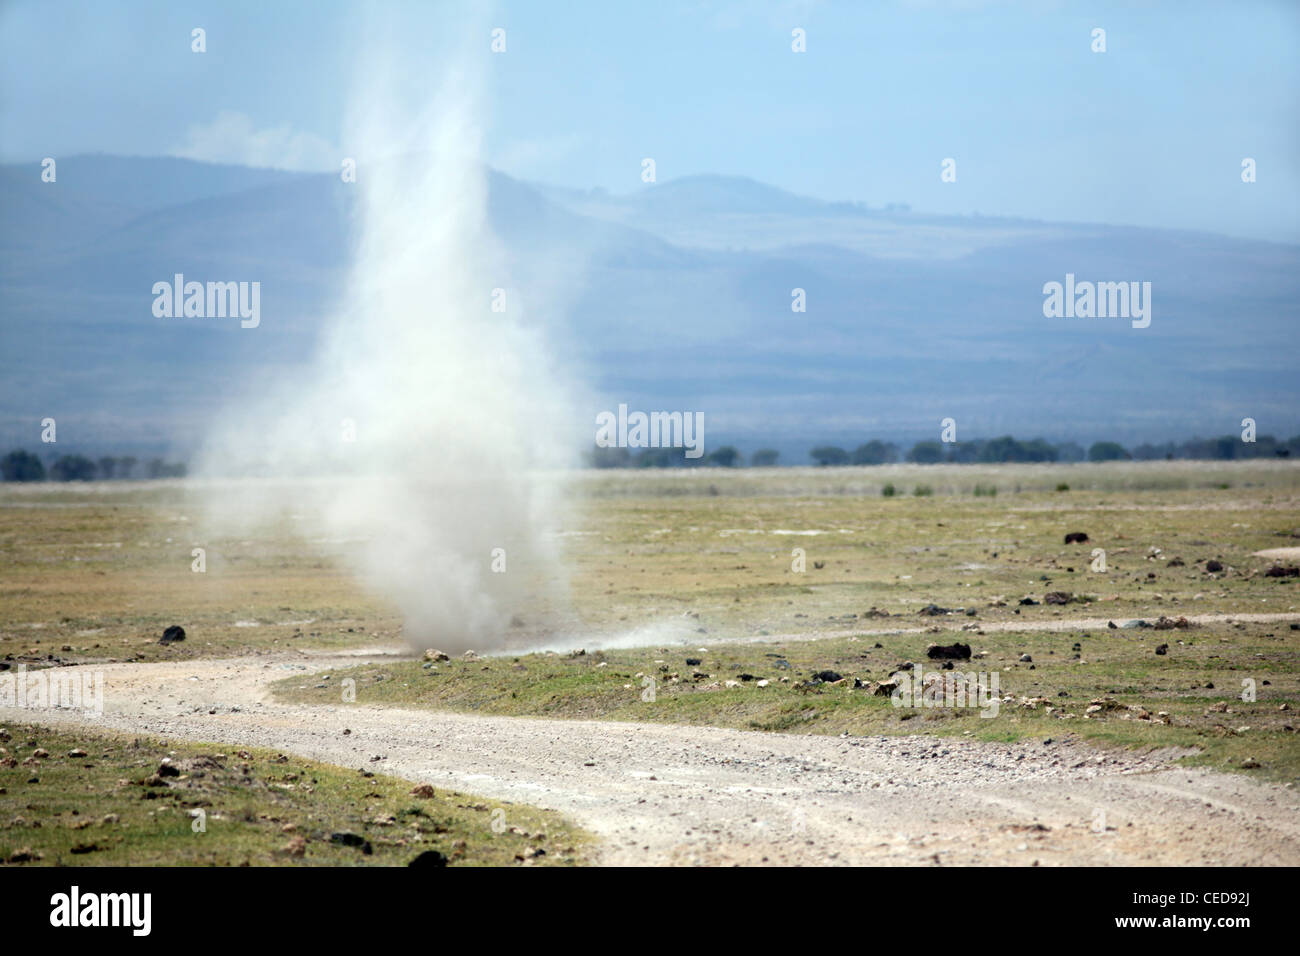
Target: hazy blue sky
[(1152, 132)]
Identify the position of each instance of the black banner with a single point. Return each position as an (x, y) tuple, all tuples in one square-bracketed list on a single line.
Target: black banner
[(309, 904)]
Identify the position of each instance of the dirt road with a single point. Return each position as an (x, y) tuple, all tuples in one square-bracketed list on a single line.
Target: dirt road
[(658, 794)]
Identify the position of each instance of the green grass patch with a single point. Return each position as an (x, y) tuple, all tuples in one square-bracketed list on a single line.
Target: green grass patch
[(99, 799)]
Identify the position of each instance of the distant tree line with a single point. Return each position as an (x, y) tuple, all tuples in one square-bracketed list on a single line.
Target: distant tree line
[(979, 451), (611, 457), (1010, 449), (21, 465)]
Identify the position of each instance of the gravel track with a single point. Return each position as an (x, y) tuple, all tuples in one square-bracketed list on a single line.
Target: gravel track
[(663, 794)]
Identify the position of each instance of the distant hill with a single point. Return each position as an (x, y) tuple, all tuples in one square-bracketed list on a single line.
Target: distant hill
[(683, 303)]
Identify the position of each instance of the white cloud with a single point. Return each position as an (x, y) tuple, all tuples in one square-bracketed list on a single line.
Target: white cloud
[(232, 138)]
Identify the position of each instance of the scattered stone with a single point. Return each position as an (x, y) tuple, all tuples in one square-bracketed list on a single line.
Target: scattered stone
[(76, 752), (346, 838), (958, 651), (1076, 537), (883, 688), (694, 662), (436, 655), (173, 634), (1162, 650), (168, 769), (424, 791), (1026, 659), (827, 676), (1103, 705), (1028, 602), (1278, 571), (40, 753), (1166, 623), (933, 610), (24, 855), (1213, 565), (1057, 597), (1034, 703)]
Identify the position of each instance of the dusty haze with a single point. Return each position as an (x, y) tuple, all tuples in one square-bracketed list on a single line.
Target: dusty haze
[(439, 422)]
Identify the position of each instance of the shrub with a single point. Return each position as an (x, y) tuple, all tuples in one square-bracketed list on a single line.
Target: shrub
[(73, 468), (1108, 451), (829, 455), (926, 453), (22, 466)]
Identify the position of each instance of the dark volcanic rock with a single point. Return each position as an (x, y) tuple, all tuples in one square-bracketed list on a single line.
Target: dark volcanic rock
[(429, 858), (346, 838), (944, 652), (1076, 537), (173, 634), (933, 610)]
